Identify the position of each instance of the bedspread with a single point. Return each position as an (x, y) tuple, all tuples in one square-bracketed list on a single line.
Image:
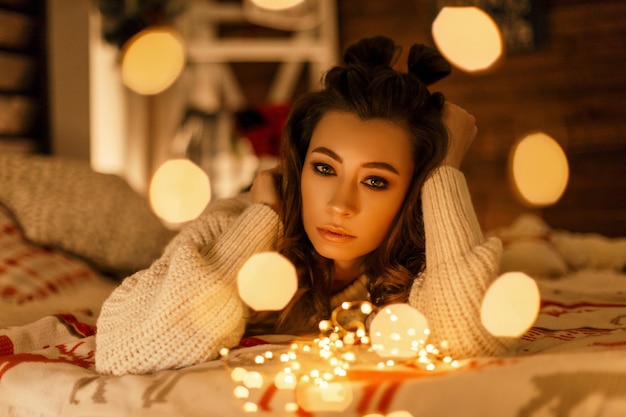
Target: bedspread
[(571, 363)]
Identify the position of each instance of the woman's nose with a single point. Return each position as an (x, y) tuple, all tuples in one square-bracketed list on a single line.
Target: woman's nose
[(343, 201)]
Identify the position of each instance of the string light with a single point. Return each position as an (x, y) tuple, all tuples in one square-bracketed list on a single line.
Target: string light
[(317, 370), (398, 331), (357, 334)]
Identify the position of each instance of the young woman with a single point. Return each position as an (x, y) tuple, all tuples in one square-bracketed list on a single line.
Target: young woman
[(368, 203)]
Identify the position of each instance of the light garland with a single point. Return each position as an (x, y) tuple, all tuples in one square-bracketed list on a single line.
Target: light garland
[(318, 370)]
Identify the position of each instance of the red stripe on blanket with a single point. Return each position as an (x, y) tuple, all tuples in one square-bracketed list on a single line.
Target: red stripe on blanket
[(536, 333), (6, 346), (252, 341), (82, 329), (66, 354)]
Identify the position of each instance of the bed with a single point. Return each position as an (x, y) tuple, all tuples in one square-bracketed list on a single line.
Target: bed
[(68, 236)]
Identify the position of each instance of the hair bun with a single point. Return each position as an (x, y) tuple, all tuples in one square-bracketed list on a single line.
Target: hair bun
[(371, 52), (427, 64)]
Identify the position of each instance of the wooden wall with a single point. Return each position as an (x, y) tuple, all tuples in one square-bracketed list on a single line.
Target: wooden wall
[(23, 77), (573, 87)]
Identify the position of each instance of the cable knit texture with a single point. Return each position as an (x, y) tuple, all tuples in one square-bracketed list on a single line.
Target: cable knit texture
[(460, 265), (185, 307), (63, 203)]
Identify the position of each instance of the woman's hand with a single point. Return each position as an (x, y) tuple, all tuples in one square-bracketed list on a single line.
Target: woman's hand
[(462, 130), (265, 188)]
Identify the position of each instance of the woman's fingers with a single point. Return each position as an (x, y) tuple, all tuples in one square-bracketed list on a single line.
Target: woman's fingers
[(462, 130), (265, 188)]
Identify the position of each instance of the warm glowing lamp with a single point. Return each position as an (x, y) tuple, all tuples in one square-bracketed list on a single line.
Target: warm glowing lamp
[(468, 37), (276, 4), (398, 330), (179, 191), (511, 305), (539, 169), (152, 60), (267, 281)]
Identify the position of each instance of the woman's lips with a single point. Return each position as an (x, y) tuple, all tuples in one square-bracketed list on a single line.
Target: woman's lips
[(334, 234)]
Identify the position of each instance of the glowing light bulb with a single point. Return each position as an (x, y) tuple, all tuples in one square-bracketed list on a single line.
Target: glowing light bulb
[(241, 392), (468, 37), (250, 407), (332, 396), (539, 168), (267, 281), (352, 316), (399, 413), (152, 60), (396, 330), (285, 380), (238, 374), (291, 407), (253, 380), (511, 305), (179, 191)]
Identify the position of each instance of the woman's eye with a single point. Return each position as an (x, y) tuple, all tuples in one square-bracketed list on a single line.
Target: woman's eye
[(376, 183), (323, 169)]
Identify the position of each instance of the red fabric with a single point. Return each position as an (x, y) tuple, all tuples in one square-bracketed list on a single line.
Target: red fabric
[(265, 137)]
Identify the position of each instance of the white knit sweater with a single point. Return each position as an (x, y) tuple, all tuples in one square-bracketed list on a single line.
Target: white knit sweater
[(185, 307)]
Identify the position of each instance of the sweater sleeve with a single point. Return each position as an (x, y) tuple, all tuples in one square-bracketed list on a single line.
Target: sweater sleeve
[(460, 265), (185, 307)]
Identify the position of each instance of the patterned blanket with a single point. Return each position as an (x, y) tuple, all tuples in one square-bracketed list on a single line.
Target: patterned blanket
[(571, 363)]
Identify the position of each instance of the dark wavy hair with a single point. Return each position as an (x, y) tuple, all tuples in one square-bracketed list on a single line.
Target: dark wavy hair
[(367, 86)]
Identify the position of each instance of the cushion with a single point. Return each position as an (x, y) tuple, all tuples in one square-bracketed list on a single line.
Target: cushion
[(528, 248), (64, 204)]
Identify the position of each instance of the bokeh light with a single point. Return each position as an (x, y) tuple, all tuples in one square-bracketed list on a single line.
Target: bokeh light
[(276, 4), (267, 281), (179, 191), (331, 396), (152, 60), (468, 37), (511, 305), (539, 170)]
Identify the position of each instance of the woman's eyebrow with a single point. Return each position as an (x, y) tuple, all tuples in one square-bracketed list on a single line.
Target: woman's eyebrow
[(380, 165), (329, 152)]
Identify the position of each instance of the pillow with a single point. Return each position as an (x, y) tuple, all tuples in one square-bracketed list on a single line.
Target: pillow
[(535, 257), (527, 247), (591, 250), (63, 203), (30, 272)]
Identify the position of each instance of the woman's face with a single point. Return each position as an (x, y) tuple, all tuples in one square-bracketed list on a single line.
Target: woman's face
[(355, 176)]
